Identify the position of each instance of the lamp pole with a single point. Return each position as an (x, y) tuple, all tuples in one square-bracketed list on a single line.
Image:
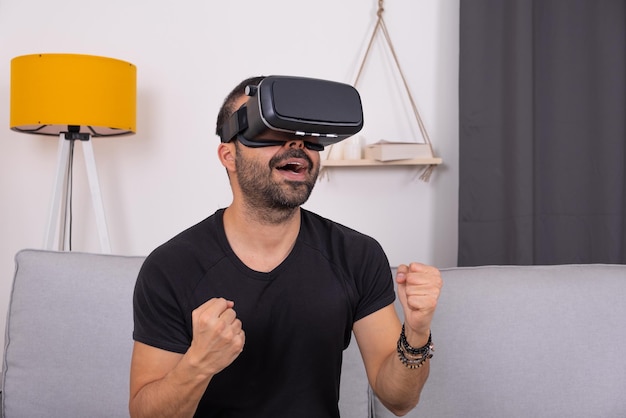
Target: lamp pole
[(61, 197)]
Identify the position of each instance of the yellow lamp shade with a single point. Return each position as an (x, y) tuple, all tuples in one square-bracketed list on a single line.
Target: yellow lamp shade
[(50, 92)]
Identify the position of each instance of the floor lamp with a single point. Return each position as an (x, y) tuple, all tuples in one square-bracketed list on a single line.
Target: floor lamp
[(73, 97)]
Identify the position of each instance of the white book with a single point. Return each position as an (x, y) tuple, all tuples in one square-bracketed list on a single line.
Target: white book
[(390, 151)]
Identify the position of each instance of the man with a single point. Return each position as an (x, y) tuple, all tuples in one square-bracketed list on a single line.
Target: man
[(246, 314)]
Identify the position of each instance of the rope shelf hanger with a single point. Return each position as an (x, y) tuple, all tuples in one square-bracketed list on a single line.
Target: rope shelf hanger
[(381, 27)]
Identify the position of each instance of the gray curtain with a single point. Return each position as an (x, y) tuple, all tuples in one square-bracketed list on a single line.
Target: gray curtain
[(542, 132)]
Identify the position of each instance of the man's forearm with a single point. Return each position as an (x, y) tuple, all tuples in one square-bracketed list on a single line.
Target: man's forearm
[(176, 395), (399, 387)]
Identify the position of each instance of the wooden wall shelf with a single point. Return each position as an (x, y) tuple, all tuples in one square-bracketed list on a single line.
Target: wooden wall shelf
[(374, 163)]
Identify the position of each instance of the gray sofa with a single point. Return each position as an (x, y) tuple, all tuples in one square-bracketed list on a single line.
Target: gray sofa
[(509, 341)]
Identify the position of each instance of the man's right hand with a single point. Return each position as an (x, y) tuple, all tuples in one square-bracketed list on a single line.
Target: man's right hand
[(167, 384), (218, 337)]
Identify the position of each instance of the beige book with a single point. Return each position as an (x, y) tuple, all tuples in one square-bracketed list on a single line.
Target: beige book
[(390, 151)]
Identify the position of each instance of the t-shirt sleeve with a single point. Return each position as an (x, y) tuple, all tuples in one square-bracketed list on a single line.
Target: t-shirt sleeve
[(159, 318), (374, 281)]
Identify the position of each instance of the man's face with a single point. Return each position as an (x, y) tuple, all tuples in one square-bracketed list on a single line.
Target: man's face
[(277, 177)]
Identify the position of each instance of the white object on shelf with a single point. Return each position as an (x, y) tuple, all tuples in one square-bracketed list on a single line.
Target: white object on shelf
[(353, 148), (391, 151), (332, 152)]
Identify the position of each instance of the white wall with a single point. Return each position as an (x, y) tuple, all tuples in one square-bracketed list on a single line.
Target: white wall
[(189, 55)]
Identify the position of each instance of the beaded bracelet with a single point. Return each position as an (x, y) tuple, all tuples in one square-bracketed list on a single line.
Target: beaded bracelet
[(413, 357)]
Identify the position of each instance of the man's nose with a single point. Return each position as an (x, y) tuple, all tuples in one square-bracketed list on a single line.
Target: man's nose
[(295, 143)]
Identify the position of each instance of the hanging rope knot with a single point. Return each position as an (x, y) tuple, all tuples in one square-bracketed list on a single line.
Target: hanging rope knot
[(381, 8)]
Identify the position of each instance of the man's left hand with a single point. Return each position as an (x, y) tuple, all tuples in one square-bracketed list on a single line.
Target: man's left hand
[(419, 286)]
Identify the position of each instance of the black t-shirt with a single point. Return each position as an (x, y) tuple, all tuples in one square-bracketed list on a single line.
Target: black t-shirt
[(297, 318)]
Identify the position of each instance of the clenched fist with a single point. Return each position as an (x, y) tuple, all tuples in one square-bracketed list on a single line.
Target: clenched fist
[(419, 286), (218, 338)]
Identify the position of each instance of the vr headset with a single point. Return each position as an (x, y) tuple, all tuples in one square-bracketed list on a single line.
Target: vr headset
[(321, 112)]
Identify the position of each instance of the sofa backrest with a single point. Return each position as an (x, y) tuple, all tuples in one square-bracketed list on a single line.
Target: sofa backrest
[(528, 341), (69, 335), (69, 339), (542, 341)]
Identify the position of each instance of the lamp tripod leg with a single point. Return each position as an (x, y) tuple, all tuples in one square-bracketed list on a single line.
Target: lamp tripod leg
[(59, 196), (96, 196)]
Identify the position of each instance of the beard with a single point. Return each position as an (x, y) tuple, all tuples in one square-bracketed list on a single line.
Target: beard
[(274, 201)]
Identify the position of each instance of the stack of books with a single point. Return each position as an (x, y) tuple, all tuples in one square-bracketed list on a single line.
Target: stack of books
[(392, 151)]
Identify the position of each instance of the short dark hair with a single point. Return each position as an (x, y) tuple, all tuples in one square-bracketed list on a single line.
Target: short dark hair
[(228, 107)]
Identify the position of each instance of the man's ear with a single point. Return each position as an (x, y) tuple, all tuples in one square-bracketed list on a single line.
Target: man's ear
[(226, 153)]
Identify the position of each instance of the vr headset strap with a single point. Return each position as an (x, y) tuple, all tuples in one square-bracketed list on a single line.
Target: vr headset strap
[(237, 123)]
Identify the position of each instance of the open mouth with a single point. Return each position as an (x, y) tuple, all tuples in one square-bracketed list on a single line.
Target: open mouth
[(293, 166)]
